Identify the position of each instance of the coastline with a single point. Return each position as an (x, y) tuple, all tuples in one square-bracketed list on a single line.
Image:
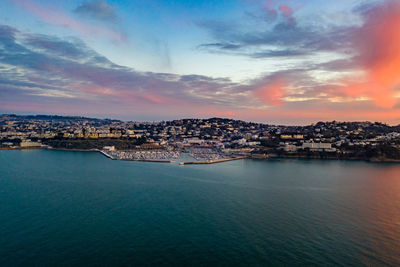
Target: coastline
[(273, 156), (22, 148), (72, 149), (371, 160)]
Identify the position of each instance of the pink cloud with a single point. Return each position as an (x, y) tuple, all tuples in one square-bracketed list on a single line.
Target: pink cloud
[(270, 7), (378, 45), (57, 17), (286, 10), (281, 6), (122, 96), (272, 92)]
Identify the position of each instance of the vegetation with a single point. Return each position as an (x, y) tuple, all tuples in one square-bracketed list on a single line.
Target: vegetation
[(95, 143)]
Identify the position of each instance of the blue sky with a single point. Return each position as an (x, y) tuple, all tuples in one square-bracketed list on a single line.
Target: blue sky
[(281, 61)]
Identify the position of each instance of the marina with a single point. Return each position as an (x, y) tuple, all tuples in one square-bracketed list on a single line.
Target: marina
[(143, 155), (200, 156)]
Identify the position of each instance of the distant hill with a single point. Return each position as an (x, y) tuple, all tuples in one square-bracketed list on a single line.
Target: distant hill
[(381, 127), (52, 118)]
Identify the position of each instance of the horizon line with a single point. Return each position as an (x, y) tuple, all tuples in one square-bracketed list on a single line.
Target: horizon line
[(193, 118)]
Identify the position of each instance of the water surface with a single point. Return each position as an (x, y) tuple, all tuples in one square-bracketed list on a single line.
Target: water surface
[(80, 208)]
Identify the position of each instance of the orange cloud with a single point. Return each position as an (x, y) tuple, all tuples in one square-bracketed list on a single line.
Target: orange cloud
[(378, 45)]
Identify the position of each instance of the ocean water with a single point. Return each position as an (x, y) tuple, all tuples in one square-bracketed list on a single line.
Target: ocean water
[(62, 208)]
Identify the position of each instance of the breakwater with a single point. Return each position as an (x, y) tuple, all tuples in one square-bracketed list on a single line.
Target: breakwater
[(107, 155), (211, 161), (149, 160)]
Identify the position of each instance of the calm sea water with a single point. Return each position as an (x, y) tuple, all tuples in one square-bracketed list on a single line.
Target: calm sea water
[(77, 208)]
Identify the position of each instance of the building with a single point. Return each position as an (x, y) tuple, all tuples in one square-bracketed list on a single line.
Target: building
[(30, 144), (317, 146), (290, 148)]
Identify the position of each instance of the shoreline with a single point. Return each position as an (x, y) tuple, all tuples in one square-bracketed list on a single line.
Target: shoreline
[(372, 160), (73, 149)]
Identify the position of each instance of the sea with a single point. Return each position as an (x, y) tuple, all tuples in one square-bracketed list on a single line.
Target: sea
[(62, 208)]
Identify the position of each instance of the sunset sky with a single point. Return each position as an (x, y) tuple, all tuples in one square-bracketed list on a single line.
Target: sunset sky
[(272, 61)]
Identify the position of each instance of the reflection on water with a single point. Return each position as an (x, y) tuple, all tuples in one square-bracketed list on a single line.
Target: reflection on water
[(76, 208)]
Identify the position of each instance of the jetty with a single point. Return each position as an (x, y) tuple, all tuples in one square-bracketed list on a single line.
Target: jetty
[(150, 160), (212, 161), (107, 155)]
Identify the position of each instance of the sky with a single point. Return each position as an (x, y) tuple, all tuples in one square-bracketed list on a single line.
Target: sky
[(289, 62)]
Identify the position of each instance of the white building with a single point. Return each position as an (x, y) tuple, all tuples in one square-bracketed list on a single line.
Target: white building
[(109, 148), (317, 146)]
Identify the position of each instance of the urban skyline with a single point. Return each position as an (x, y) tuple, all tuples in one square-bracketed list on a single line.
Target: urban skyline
[(272, 61), (215, 139)]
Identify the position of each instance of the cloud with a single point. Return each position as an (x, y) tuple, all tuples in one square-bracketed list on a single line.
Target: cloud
[(280, 38), (377, 44), (45, 73), (287, 12), (73, 48), (270, 8), (99, 10), (362, 59), (50, 67), (222, 46), (56, 17), (272, 92)]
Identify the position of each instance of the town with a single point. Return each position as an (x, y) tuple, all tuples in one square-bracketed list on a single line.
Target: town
[(211, 139)]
